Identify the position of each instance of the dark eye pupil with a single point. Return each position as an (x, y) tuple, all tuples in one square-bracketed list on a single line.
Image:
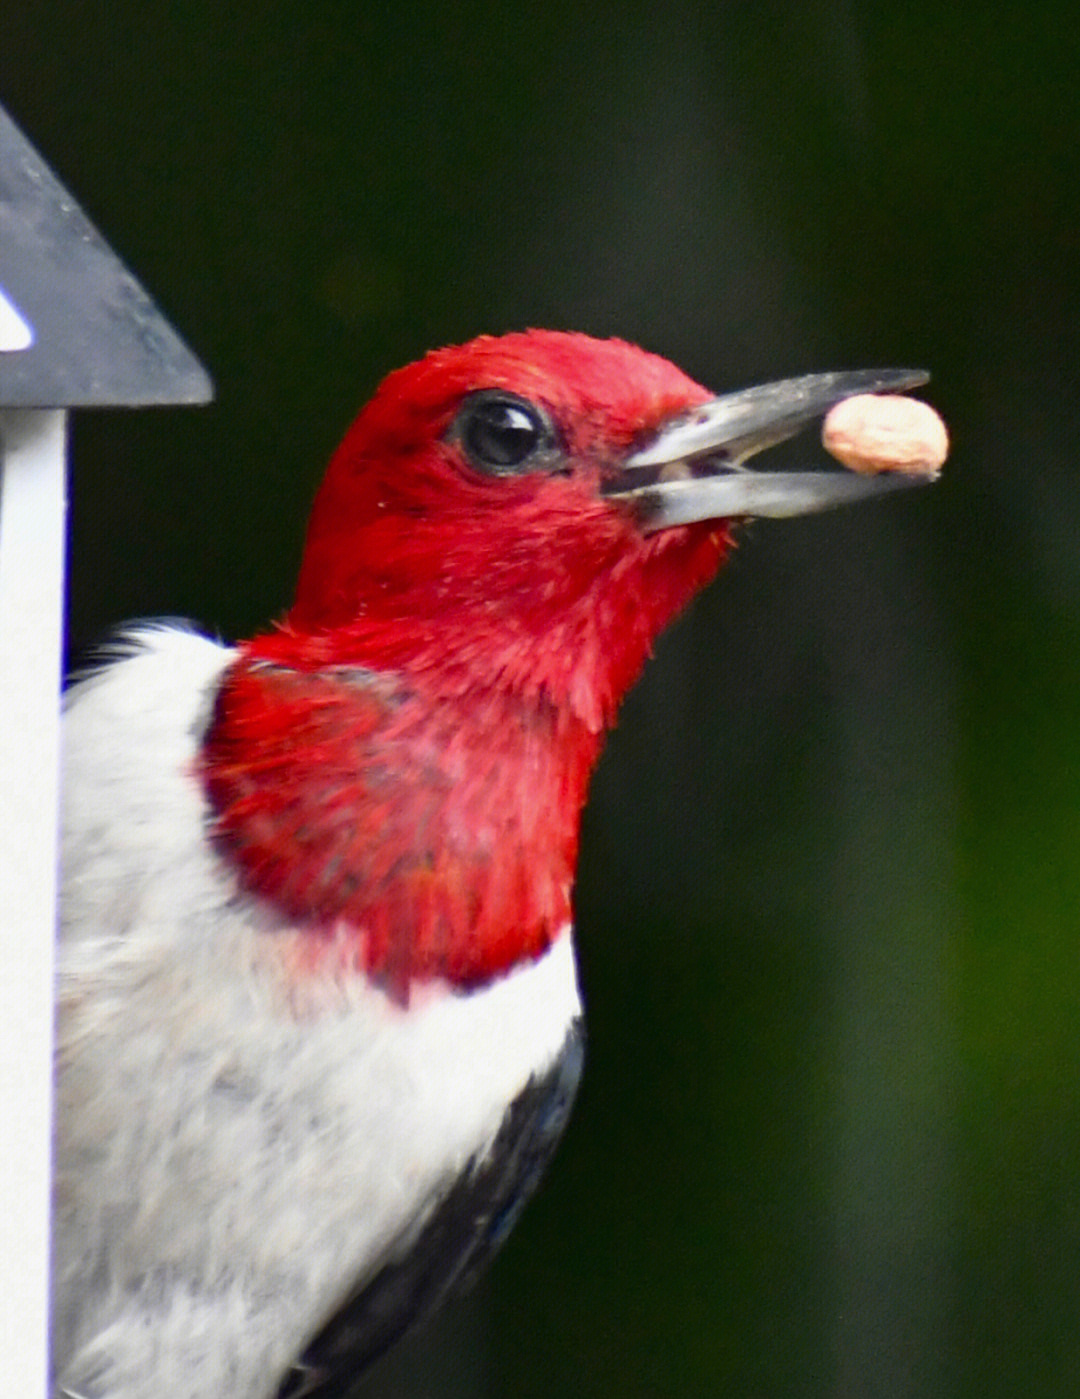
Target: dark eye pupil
[(500, 434)]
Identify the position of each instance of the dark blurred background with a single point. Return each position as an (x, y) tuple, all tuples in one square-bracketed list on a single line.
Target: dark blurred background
[(829, 1138)]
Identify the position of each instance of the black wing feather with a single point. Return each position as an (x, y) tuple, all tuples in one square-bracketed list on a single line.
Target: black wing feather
[(466, 1228)]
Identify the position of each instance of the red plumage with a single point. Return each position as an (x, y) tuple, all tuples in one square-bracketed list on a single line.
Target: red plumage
[(401, 765)]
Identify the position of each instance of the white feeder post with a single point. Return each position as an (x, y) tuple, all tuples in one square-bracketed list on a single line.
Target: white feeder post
[(76, 330)]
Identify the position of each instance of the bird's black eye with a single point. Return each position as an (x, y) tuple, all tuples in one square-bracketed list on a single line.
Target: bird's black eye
[(503, 435)]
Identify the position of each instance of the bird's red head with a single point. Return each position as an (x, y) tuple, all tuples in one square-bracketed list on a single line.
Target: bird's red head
[(400, 766), (463, 526)]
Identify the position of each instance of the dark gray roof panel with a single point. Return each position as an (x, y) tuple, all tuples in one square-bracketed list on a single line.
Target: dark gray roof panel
[(76, 329)]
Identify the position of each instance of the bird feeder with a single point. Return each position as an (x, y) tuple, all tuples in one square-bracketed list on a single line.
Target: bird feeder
[(76, 331)]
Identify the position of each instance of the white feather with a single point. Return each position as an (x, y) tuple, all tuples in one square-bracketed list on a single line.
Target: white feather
[(230, 1158)]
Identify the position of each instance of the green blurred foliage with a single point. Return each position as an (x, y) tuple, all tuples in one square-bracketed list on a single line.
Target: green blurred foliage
[(829, 1140)]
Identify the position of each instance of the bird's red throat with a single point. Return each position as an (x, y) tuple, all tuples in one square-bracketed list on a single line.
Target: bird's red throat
[(416, 820)]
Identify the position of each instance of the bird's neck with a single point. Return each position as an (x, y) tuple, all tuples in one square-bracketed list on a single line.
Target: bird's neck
[(405, 786), (410, 833), (540, 625)]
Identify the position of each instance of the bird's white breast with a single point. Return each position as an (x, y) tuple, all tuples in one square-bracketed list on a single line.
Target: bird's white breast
[(233, 1148)]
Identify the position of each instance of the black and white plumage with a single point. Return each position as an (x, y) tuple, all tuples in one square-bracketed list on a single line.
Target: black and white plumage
[(467, 1226), (240, 1156)]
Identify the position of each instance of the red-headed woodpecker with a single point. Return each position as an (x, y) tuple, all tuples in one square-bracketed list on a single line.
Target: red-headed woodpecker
[(319, 1027)]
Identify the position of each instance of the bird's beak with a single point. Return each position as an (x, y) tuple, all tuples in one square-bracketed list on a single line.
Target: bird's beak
[(693, 468)]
